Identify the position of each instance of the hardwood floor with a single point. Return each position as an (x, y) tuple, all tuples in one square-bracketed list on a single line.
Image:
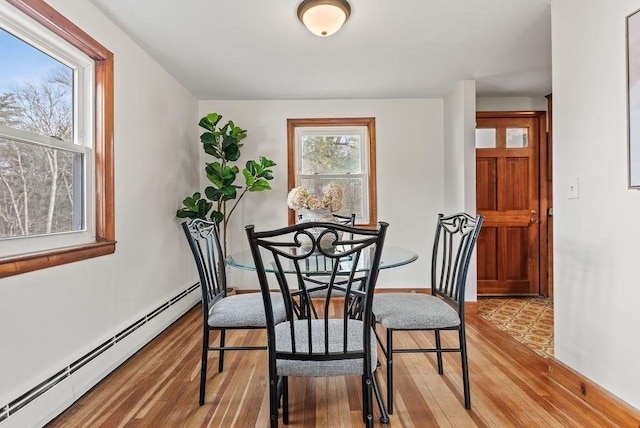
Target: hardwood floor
[(159, 387)]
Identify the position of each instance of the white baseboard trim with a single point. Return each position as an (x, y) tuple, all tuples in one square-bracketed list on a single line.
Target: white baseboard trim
[(51, 397)]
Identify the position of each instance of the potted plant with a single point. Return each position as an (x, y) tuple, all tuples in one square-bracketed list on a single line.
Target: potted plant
[(223, 143), (312, 208), (309, 205)]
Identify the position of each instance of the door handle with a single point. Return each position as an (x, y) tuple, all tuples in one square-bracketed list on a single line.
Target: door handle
[(534, 217)]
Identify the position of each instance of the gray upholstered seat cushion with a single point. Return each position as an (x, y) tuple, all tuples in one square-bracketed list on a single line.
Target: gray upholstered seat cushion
[(244, 310), (322, 368), (413, 311)]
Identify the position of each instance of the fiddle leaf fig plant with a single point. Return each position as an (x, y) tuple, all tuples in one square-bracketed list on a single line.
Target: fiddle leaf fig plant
[(223, 143), (195, 207)]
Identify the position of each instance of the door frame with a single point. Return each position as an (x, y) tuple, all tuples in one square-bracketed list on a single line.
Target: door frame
[(544, 182)]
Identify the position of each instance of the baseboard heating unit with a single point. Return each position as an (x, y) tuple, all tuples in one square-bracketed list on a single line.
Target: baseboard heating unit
[(98, 363)]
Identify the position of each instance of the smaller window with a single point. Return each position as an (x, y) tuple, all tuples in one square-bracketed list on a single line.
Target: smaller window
[(517, 138), (340, 151), (486, 138)]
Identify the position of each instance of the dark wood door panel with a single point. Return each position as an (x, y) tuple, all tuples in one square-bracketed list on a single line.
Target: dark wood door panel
[(517, 249), (487, 184), (516, 185), (508, 195), (505, 264), (487, 243)]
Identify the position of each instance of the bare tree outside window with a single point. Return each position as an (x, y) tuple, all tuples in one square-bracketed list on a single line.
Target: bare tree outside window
[(327, 159), (56, 141), (331, 154), (37, 181)]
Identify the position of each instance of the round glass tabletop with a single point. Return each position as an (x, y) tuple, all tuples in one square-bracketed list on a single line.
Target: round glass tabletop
[(391, 257)]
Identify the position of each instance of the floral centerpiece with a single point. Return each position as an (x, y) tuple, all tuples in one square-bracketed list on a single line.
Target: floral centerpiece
[(314, 208), (301, 198)]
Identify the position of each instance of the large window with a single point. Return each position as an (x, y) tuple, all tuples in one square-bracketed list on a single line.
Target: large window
[(340, 151), (56, 125)]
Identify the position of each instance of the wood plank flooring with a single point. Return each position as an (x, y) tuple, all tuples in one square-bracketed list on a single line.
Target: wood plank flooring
[(158, 387)]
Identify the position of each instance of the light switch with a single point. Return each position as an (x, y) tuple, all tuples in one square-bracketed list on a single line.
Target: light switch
[(573, 189)]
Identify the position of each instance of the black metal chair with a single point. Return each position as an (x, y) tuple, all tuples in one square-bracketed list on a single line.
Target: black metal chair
[(443, 309), (220, 311), (340, 340), (349, 220)]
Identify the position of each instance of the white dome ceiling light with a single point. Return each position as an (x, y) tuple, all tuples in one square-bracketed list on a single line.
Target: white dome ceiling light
[(324, 17)]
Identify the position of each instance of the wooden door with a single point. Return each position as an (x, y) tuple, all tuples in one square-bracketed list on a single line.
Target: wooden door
[(508, 195)]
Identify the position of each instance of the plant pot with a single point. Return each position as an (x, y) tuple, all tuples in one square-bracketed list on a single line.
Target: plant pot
[(326, 242)]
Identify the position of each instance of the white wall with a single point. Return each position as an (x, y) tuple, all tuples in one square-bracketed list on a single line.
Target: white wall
[(511, 104), (51, 317), (409, 136), (460, 161), (459, 148), (597, 291)]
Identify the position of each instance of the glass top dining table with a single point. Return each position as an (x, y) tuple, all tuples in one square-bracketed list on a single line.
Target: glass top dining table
[(391, 257)]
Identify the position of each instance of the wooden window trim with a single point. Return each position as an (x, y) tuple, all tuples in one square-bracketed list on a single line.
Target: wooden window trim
[(105, 242), (369, 122)]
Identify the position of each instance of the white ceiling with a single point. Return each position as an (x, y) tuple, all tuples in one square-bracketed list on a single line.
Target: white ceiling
[(259, 50)]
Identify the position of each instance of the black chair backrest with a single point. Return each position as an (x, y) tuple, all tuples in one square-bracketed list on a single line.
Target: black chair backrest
[(453, 245), (349, 220), (342, 266), (207, 253)]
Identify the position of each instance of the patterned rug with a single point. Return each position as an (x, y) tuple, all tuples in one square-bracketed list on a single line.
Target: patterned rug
[(528, 320)]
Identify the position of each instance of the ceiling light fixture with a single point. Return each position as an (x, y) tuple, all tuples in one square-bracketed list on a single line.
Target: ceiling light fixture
[(324, 17)]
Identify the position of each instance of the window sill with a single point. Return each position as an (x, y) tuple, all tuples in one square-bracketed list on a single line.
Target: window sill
[(35, 261)]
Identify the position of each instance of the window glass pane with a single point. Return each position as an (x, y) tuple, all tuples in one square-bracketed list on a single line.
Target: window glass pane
[(331, 154), (485, 138), (36, 91), (353, 192), (50, 68), (339, 151), (517, 138), (40, 189)]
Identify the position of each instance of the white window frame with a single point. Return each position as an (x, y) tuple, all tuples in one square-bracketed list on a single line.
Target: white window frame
[(303, 131), (32, 33), (102, 207)]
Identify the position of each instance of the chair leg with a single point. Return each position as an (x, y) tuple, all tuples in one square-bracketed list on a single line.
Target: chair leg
[(465, 368), (221, 358), (367, 401), (285, 400), (438, 353), (273, 400), (390, 371), (203, 365), (364, 398), (280, 390), (384, 417)]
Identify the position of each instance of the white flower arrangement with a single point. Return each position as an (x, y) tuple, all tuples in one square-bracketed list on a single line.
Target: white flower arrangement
[(300, 197)]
